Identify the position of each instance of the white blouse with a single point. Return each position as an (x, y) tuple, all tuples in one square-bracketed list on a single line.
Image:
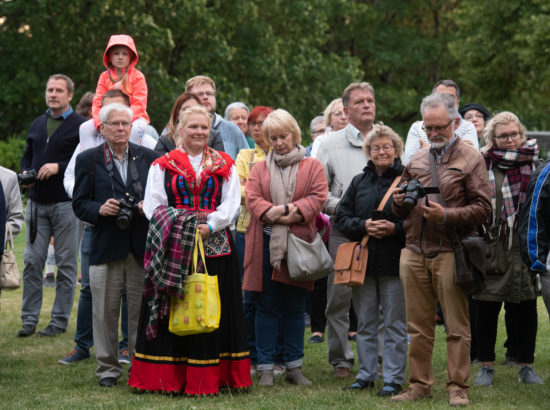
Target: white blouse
[(155, 195)]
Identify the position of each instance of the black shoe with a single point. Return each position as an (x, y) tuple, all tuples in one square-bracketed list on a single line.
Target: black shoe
[(49, 280), (50, 331), (26, 331), (316, 339), (359, 384), (107, 382), (389, 389)]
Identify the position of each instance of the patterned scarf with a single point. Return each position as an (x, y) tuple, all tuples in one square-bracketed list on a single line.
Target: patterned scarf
[(167, 261), (213, 162), (518, 165)]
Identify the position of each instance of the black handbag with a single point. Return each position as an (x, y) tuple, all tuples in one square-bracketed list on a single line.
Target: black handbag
[(469, 252)]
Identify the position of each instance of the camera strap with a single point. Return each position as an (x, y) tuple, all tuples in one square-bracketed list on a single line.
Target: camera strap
[(132, 167), (439, 197)]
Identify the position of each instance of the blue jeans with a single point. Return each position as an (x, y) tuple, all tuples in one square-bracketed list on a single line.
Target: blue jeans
[(84, 337), (279, 306), (240, 245)]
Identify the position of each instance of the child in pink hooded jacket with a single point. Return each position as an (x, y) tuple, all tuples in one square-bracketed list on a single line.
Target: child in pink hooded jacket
[(120, 59)]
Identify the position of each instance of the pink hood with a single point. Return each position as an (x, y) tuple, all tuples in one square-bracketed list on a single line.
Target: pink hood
[(121, 40)]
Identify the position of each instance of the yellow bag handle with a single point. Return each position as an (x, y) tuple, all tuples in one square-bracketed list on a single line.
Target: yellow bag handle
[(198, 248)]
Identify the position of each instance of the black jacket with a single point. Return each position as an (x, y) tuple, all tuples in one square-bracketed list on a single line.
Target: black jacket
[(108, 242), (357, 205), (534, 221), (58, 149)]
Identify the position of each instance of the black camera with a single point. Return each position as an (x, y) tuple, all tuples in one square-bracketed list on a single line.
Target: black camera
[(414, 191), (127, 208), (28, 177)]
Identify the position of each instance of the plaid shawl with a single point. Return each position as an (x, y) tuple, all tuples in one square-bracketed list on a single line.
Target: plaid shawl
[(517, 165), (168, 254)]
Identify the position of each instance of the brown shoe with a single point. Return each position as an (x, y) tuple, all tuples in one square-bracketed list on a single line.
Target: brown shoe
[(267, 378), (341, 372), (411, 394), (458, 398), (296, 376)]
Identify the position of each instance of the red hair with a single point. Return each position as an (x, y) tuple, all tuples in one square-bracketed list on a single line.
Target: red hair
[(257, 111)]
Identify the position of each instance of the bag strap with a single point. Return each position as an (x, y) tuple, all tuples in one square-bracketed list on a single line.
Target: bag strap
[(388, 193), (383, 204), (453, 236), (198, 248), (9, 236)]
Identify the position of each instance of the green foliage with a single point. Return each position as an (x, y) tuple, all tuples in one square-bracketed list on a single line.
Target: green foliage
[(11, 151), (504, 56), (297, 55)]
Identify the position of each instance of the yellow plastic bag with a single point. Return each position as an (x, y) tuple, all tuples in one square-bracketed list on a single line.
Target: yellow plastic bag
[(199, 311)]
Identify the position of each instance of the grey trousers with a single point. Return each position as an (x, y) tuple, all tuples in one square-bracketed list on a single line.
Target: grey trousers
[(107, 282), (337, 313), (59, 220), (385, 292)]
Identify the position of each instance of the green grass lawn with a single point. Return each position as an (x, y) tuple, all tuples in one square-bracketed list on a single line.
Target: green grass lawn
[(30, 376)]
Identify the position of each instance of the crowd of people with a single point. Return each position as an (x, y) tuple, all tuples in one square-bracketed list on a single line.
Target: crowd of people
[(135, 203)]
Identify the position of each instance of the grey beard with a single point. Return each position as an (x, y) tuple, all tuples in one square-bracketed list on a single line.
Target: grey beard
[(439, 145)]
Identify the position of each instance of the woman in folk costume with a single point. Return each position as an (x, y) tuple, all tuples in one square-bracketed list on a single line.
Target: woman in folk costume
[(510, 160), (204, 184)]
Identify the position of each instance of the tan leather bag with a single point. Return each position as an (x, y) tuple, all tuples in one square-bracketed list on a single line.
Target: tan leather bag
[(350, 264)]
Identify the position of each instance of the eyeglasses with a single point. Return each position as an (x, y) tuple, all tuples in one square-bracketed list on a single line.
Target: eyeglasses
[(259, 124), (435, 129), (206, 93), (320, 131), (116, 124), (385, 148), (505, 137)]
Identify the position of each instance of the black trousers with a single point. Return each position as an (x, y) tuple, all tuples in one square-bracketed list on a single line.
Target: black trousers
[(524, 331), (318, 303)]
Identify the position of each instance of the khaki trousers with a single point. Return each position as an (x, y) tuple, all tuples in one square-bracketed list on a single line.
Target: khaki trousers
[(107, 283), (425, 282)]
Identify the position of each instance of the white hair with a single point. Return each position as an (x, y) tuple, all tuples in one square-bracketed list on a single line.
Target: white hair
[(446, 101), (235, 106)]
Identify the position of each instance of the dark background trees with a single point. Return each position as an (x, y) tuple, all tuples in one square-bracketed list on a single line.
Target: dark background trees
[(297, 54)]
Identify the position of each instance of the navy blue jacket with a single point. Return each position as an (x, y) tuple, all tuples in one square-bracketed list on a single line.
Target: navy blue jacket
[(58, 150), (361, 199), (534, 221), (108, 242)]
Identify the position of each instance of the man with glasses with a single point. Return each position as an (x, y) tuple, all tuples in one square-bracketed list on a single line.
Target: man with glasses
[(51, 141), (109, 187), (427, 265), (233, 138), (417, 138)]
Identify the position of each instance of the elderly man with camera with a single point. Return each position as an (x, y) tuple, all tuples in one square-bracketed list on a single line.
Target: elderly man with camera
[(427, 265), (108, 194)]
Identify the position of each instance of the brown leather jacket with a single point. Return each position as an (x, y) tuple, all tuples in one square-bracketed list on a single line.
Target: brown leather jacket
[(465, 187)]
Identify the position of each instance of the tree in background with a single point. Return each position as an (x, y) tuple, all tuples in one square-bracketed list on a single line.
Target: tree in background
[(297, 54)]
